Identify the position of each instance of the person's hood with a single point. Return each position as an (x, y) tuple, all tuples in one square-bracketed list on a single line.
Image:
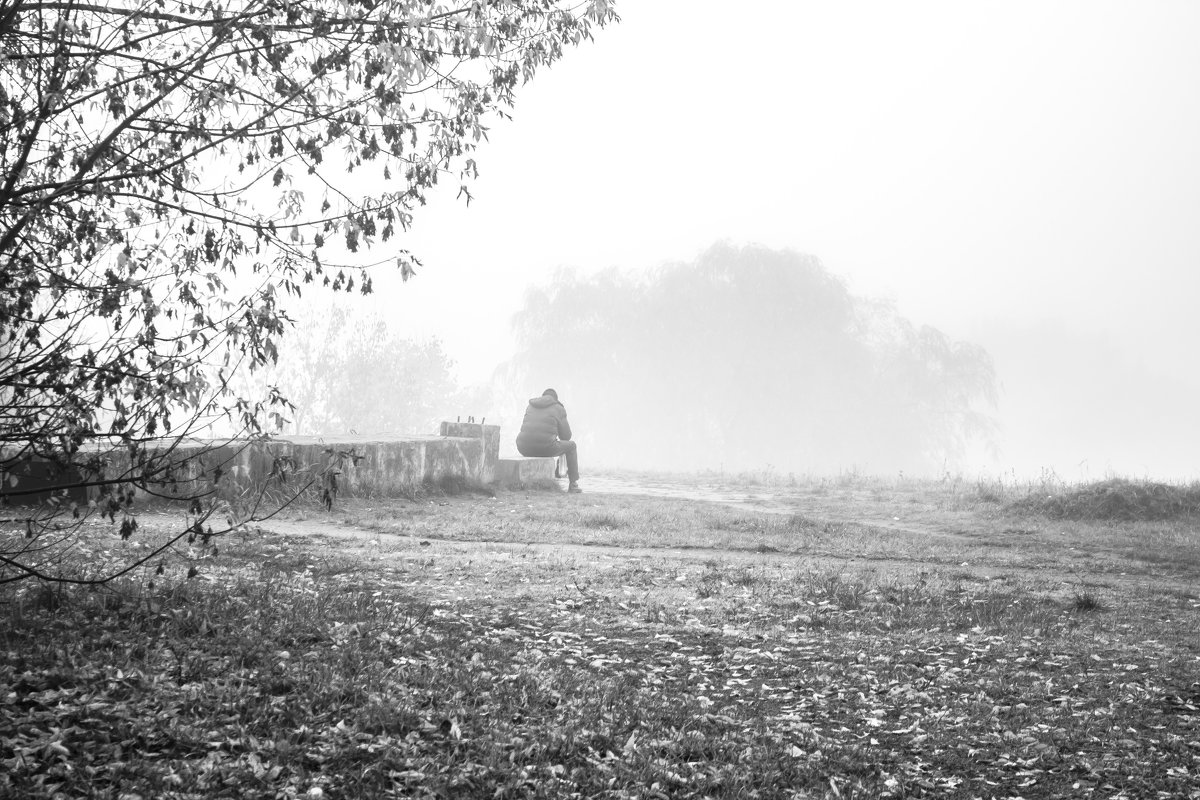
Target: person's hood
[(545, 401)]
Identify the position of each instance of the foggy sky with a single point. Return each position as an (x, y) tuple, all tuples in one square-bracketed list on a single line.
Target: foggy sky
[(1019, 174)]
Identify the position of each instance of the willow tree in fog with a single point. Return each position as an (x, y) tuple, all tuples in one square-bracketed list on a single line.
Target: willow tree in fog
[(746, 358)]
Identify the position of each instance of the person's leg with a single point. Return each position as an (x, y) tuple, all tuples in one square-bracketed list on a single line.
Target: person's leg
[(546, 451), (572, 452)]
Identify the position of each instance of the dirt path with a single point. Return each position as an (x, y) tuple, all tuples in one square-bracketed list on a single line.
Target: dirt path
[(741, 498), (398, 545), (360, 539), (770, 500), (888, 529), (752, 499)]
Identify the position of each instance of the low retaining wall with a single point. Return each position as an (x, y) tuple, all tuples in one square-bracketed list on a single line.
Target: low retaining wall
[(386, 465)]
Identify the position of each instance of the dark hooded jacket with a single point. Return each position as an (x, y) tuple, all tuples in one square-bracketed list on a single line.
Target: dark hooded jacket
[(545, 423)]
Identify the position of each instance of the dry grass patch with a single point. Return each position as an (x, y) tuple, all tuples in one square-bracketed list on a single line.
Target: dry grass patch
[(1115, 500)]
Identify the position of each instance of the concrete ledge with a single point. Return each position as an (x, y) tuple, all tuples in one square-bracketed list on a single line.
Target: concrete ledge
[(385, 465), (517, 473), (369, 466)]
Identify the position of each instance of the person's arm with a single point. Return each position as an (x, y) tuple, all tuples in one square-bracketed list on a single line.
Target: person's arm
[(564, 427)]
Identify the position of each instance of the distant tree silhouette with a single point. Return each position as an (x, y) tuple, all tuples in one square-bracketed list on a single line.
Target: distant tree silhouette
[(346, 371), (751, 357)]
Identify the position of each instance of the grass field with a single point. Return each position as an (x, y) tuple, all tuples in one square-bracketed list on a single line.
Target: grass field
[(823, 638)]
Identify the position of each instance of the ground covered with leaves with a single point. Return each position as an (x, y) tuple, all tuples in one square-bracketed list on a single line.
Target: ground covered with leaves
[(544, 645)]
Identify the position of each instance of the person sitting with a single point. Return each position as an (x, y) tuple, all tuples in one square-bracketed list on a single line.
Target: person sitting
[(545, 433)]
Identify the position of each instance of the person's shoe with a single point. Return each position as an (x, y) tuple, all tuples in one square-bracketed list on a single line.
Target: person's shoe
[(574, 488)]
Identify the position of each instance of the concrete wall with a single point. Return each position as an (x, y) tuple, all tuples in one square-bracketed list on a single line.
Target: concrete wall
[(489, 436), (364, 465)]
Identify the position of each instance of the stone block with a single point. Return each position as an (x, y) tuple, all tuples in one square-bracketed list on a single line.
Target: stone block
[(517, 473), (487, 435)]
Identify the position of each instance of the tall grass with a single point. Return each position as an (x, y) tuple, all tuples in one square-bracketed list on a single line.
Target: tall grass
[(1114, 500)]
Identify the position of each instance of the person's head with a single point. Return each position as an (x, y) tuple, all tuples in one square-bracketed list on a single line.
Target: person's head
[(550, 393)]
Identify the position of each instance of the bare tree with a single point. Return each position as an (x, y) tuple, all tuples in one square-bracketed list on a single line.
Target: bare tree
[(169, 170)]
